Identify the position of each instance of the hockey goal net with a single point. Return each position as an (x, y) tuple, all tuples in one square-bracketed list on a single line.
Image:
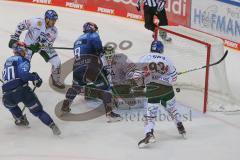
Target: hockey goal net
[(206, 89)]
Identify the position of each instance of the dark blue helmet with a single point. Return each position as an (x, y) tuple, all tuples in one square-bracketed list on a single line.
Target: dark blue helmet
[(157, 46), (51, 14), (90, 27)]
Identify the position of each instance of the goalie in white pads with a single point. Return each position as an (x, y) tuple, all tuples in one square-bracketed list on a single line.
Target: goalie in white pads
[(40, 36), (117, 66), (158, 77)]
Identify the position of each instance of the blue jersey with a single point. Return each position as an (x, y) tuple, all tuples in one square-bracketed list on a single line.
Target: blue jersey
[(16, 73), (88, 44)]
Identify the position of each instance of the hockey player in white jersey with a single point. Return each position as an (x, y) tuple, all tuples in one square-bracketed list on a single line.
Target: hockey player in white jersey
[(40, 36), (158, 77)]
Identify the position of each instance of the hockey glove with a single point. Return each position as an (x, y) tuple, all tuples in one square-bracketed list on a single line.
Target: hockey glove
[(161, 5), (12, 43), (38, 81), (138, 8), (138, 5), (35, 47), (13, 40)]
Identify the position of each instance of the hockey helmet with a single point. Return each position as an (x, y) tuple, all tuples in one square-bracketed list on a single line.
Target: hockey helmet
[(20, 49), (157, 46), (51, 15), (90, 27)]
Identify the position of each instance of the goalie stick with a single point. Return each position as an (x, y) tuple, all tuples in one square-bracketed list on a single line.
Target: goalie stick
[(213, 64)]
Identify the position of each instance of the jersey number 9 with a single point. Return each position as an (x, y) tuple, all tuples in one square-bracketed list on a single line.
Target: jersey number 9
[(77, 53)]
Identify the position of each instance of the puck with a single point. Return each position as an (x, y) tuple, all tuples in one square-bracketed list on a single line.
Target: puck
[(177, 89)]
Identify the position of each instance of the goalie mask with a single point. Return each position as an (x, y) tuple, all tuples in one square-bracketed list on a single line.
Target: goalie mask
[(157, 47), (109, 52)]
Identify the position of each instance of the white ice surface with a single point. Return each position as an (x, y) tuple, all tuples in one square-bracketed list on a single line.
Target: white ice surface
[(213, 136)]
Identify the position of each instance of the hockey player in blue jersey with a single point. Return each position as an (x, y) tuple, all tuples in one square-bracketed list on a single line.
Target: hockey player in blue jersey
[(15, 89), (87, 68)]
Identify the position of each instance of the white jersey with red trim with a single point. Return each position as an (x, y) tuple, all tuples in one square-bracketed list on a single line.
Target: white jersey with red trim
[(158, 68), (36, 32)]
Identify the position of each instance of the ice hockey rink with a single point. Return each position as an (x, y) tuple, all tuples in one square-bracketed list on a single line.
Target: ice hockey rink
[(210, 136)]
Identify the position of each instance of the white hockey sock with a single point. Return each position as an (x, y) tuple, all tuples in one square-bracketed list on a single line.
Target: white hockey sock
[(173, 111), (56, 68), (151, 110)]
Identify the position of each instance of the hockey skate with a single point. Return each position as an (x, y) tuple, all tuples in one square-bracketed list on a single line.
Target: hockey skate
[(65, 107), (113, 117), (164, 36), (22, 121), (181, 129), (147, 140), (57, 84), (55, 129)]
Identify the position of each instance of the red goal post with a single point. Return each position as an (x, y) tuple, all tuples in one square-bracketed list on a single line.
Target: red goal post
[(212, 48)]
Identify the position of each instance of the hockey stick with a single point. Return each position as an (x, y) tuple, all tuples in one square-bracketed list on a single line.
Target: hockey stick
[(62, 48), (1, 81), (213, 64), (66, 48)]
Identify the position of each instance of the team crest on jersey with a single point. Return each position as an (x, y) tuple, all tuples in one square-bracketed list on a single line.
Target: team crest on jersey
[(39, 23)]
